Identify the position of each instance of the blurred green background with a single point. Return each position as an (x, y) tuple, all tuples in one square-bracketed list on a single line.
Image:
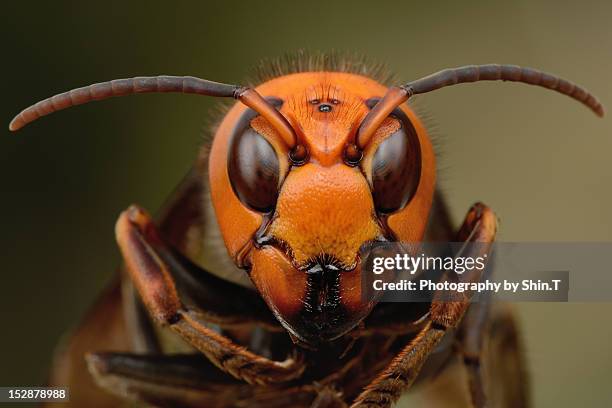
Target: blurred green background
[(540, 160)]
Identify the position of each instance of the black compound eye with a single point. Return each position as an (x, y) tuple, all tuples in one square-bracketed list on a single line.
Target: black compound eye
[(254, 170), (396, 169)]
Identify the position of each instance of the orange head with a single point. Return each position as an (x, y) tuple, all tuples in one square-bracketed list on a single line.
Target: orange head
[(309, 171), (300, 226)]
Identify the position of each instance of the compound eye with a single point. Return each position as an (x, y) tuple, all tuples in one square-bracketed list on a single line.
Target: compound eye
[(254, 170), (396, 169)]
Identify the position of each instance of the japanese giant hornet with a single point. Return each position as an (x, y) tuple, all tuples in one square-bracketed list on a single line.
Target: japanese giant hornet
[(246, 290)]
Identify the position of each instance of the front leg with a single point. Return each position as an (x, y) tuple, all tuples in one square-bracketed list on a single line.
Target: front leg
[(479, 227), (145, 256), (164, 381)]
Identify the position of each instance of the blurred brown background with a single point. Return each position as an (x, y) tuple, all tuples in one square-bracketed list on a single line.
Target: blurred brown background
[(540, 160)]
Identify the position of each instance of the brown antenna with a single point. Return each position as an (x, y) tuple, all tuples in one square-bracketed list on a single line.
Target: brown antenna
[(155, 84), (471, 73)]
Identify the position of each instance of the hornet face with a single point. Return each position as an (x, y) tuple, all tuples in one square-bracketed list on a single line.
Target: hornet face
[(301, 226), (310, 170)]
